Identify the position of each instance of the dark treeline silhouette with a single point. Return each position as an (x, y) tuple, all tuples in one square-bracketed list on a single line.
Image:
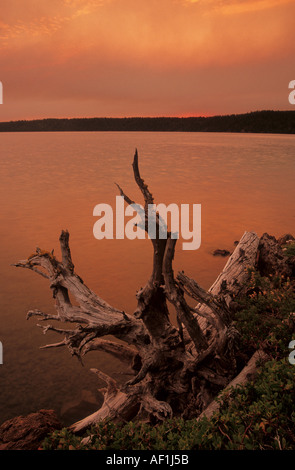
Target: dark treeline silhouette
[(281, 122)]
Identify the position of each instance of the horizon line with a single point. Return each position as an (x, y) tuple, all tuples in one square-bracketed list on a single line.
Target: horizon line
[(150, 117)]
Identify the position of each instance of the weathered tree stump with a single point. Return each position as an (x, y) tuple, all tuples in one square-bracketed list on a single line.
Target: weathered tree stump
[(179, 370)]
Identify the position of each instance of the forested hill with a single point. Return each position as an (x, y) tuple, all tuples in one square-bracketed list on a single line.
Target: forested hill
[(281, 122)]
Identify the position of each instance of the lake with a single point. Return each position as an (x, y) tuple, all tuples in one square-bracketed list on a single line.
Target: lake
[(53, 181)]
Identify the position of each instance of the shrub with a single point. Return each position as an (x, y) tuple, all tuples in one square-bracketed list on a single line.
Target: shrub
[(289, 249), (265, 317), (258, 415)]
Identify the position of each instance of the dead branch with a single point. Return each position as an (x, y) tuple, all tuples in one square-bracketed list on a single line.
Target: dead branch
[(247, 373), (173, 365)]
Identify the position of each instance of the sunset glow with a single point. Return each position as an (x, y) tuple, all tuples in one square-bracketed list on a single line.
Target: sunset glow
[(66, 58)]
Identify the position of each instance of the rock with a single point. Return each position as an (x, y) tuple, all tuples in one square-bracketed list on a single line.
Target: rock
[(221, 253), (271, 259), (28, 432)]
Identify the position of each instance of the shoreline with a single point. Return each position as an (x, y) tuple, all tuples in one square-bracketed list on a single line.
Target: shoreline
[(267, 122)]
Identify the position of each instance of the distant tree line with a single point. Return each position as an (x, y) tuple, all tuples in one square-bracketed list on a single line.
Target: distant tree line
[(281, 122)]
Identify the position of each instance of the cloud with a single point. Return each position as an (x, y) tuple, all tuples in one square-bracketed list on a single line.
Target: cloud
[(19, 31), (142, 54), (157, 33), (41, 22), (250, 6), (233, 7)]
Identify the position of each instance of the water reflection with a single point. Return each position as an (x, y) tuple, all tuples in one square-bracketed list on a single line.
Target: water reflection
[(52, 181)]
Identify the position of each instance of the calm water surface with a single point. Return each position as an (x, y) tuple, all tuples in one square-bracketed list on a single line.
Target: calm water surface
[(52, 181)]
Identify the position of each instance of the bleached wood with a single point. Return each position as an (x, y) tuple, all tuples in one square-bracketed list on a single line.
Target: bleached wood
[(246, 374), (233, 278), (172, 366), (231, 281)]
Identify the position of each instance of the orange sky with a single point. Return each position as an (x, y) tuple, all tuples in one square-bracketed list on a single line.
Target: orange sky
[(72, 58)]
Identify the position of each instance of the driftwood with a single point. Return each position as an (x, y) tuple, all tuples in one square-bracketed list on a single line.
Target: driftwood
[(177, 370), (247, 373), (229, 284)]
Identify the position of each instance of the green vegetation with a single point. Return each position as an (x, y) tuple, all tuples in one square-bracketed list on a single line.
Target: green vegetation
[(280, 122), (289, 249), (265, 317), (258, 415)]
